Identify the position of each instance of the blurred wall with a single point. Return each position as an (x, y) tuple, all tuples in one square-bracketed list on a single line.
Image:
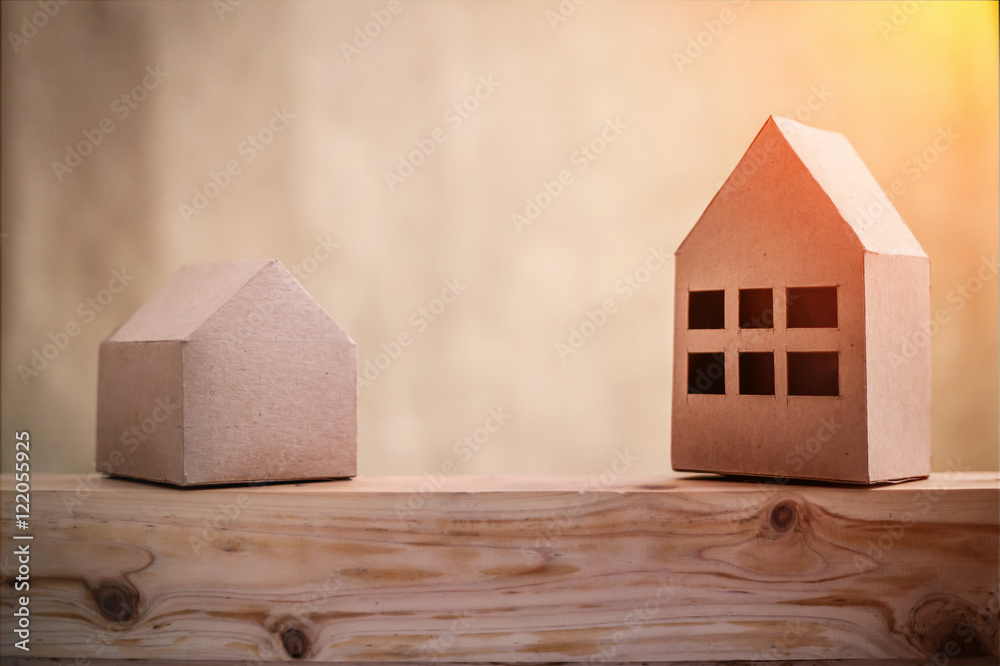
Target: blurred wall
[(210, 131)]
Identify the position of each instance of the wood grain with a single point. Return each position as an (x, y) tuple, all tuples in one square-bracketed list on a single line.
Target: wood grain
[(973, 661), (512, 569)]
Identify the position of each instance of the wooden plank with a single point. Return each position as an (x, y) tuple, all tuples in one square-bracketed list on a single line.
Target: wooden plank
[(513, 569), (67, 661)]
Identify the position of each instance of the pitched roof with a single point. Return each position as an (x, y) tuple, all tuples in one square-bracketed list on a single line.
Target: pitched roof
[(188, 301), (843, 176)]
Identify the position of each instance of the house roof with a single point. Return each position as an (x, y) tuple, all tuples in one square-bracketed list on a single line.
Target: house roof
[(842, 175), (185, 303), (852, 188)]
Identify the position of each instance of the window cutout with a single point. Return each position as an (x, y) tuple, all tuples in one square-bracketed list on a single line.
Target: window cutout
[(756, 308), (707, 309), (812, 307), (813, 373), (756, 373), (707, 374)]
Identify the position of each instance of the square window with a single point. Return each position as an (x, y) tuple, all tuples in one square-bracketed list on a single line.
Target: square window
[(756, 308), (812, 307), (756, 373), (813, 373), (707, 374), (707, 309)]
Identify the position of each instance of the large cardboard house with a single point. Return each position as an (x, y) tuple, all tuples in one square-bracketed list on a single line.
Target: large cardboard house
[(796, 293)]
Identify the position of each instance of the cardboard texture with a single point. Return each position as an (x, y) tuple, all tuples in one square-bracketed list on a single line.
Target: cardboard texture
[(829, 378), (231, 373)]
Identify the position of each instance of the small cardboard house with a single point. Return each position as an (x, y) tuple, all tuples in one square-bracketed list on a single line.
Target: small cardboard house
[(230, 373), (798, 295)]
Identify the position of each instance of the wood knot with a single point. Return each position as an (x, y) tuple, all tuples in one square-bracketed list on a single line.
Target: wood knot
[(783, 517), (117, 601), (295, 641), (946, 627)]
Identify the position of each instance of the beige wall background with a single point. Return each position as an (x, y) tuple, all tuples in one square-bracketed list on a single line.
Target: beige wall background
[(913, 86)]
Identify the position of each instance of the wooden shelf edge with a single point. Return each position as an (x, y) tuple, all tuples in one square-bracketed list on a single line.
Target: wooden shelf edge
[(508, 570)]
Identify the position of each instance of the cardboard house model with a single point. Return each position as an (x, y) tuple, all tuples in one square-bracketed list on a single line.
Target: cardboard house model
[(230, 373), (797, 292)]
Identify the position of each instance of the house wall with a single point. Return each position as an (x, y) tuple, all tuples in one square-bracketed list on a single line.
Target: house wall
[(270, 384), (140, 410), (897, 300), (771, 226)]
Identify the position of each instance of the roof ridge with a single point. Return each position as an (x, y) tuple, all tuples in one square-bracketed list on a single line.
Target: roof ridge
[(182, 305), (844, 177)]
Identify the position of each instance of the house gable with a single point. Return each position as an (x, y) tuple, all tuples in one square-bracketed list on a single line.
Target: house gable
[(842, 179), (852, 188), (771, 221), (186, 302), (271, 387), (272, 305), (771, 231)]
